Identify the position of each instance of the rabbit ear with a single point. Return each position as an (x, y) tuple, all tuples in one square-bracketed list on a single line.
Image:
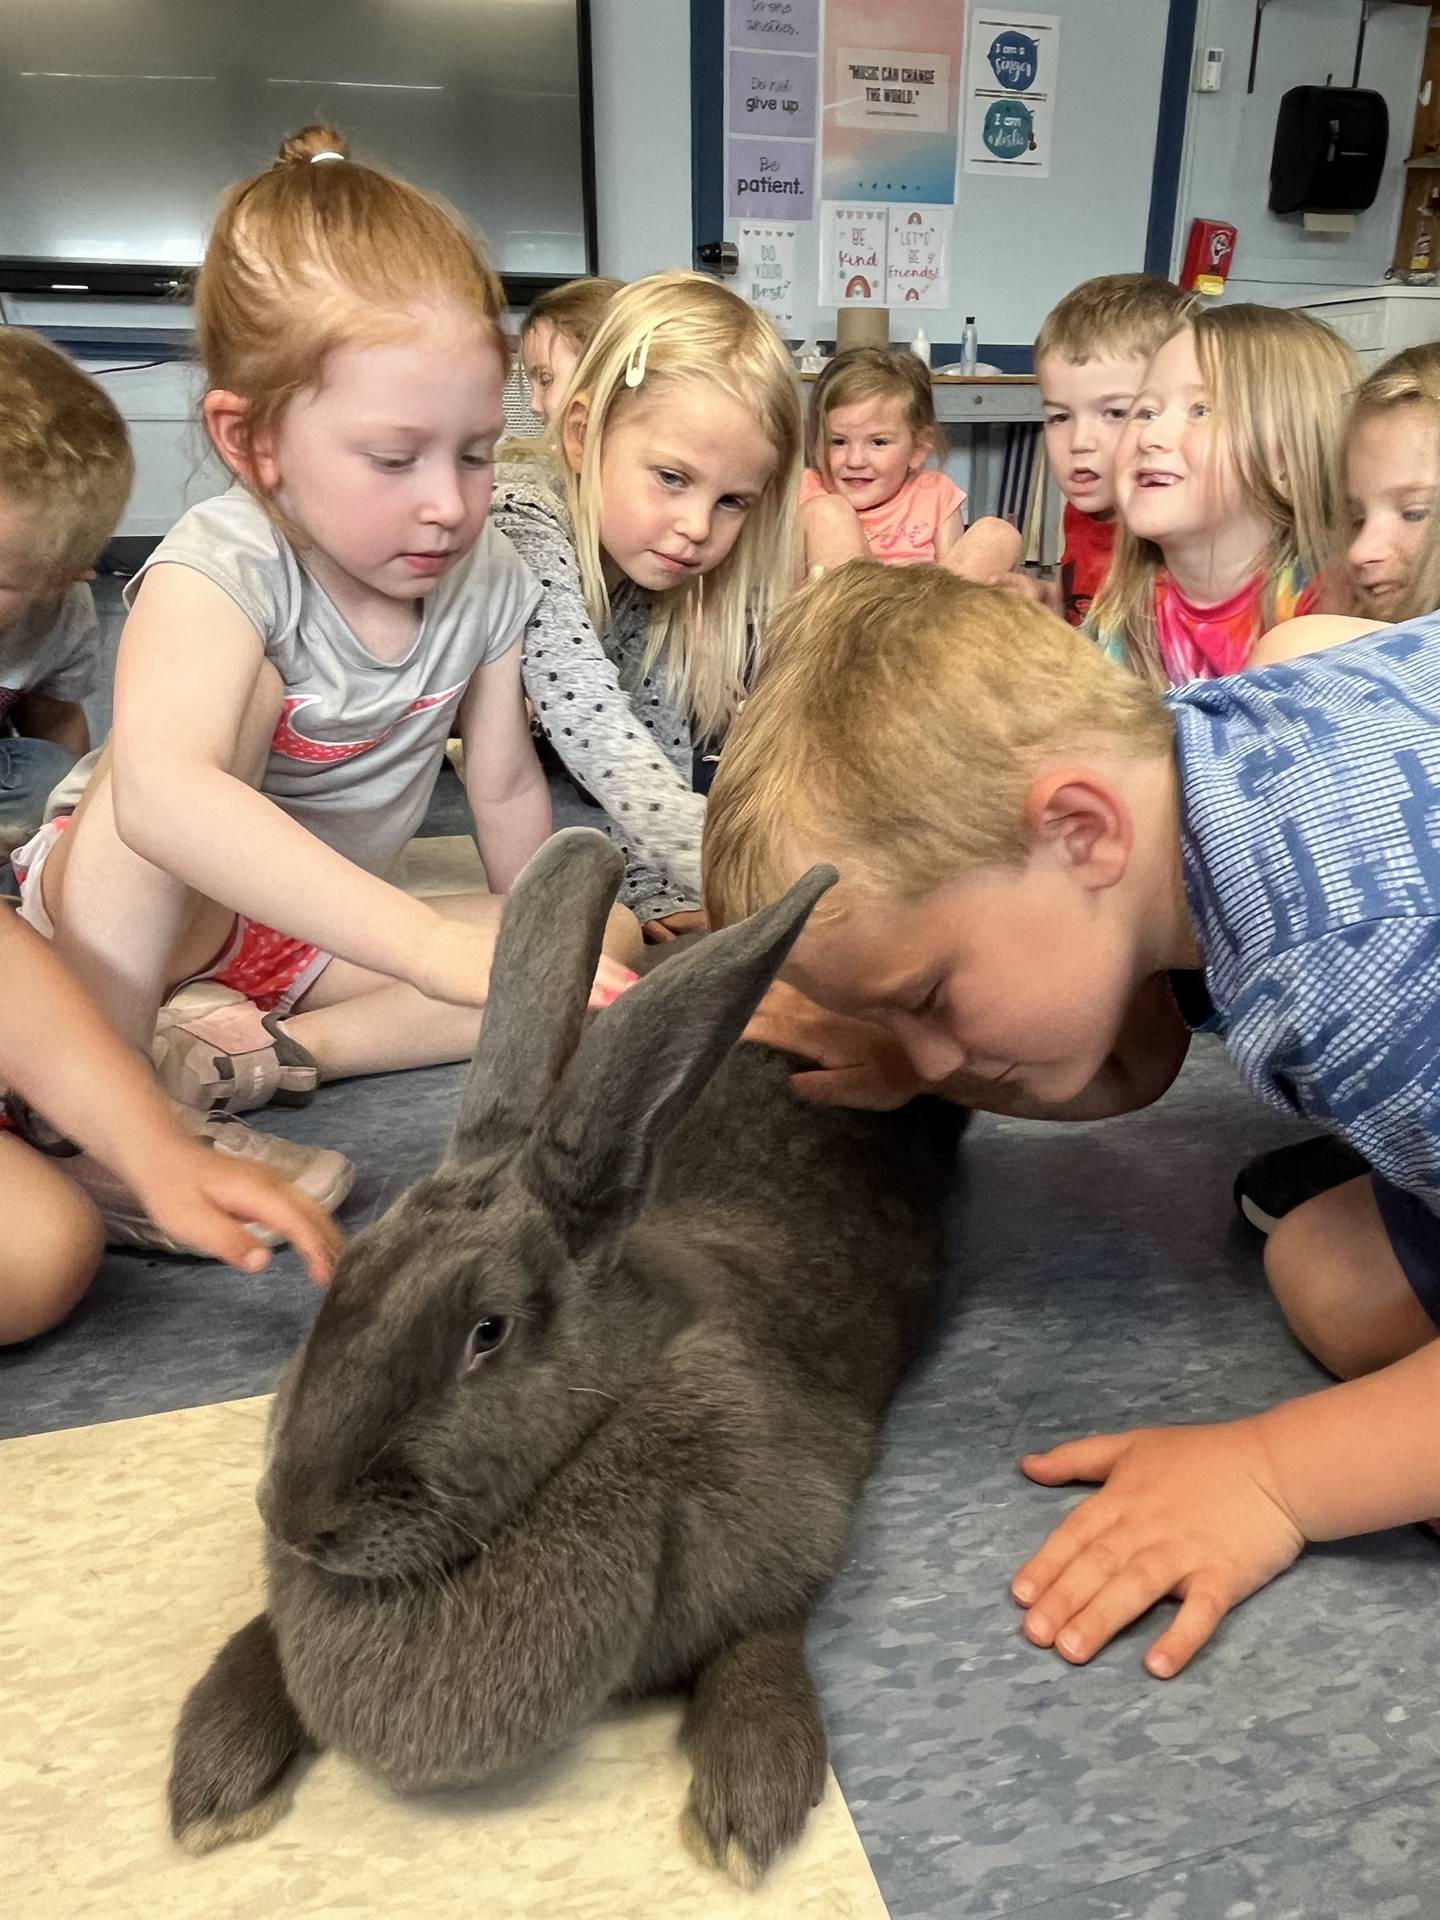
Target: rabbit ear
[(545, 959), (641, 1064)]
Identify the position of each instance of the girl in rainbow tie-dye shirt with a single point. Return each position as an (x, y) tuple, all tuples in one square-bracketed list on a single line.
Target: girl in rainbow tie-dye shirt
[(1226, 481)]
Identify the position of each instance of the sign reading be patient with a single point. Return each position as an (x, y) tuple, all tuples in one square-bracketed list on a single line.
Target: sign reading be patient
[(774, 178)]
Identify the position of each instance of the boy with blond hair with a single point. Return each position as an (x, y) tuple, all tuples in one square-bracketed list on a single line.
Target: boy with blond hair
[(65, 472), (1051, 875), (1090, 360)]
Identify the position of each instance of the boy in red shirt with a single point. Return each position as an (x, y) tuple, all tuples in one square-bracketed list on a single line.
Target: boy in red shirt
[(1090, 359)]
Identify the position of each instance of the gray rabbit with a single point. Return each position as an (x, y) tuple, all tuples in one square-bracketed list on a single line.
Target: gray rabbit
[(586, 1414)]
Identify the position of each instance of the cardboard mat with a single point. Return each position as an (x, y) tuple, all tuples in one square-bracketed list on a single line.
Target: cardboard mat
[(129, 1552)]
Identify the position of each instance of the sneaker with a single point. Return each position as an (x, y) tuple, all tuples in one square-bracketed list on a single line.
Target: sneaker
[(216, 1051), (1274, 1184), (323, 1175)]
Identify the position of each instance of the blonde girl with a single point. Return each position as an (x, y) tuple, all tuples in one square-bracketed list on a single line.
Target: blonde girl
[(1226, 487), (1391, 512), (869, 490), (556, 330), (296, 655), (661, 535)]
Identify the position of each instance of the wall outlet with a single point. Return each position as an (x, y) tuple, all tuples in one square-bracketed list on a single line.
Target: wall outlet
[(1209, 64)]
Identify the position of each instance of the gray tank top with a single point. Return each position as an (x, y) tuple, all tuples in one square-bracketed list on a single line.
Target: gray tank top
[(359, 741)]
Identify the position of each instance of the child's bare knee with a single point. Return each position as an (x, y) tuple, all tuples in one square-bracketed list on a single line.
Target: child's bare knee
[(1339, 1285), (52, 1254), (1298, 1289)]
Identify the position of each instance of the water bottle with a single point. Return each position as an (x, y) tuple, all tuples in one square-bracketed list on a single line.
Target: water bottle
[(969, 346), (920, 345)]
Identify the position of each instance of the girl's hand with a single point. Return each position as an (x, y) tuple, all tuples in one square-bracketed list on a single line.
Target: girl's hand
[(1191, 1511), (455, 966), (856, 1064), (1028, 588), (203, 1198), (672, 925)]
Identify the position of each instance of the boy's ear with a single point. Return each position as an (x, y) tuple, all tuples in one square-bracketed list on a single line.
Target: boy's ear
[(1078, 817), (572, 433), (224, 415)]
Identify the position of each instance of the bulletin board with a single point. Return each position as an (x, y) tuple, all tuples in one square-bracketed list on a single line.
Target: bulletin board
[(937, 158)]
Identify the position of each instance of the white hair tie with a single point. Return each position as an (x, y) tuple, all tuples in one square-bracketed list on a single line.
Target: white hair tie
[(328, 154)]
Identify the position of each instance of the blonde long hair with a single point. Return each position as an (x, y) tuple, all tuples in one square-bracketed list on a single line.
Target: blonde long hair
[(1277, 381), (1410, 379), (317, 253), (657, 332)]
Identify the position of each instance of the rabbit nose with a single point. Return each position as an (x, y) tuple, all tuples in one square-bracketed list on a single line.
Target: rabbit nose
[(315, 1546), (297, 1522)]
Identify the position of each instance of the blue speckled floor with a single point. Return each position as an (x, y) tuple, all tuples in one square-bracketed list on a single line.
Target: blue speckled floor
[(1294, 1770)]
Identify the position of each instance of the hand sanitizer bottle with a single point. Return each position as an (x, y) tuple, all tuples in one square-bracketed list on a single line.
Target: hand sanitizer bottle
[(969, 346), (920, 345)]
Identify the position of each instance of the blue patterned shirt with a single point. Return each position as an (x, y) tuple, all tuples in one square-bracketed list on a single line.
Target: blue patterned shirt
[(1310, 837)]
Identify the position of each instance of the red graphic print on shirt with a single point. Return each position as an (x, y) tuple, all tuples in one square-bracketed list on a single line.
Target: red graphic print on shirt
[(288, 740)]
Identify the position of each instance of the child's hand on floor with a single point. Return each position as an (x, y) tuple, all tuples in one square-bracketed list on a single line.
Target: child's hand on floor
[(203, 1198), (1191, 1511), (857, 1064)]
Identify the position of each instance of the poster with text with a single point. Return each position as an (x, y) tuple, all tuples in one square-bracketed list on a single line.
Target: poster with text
[(1013, 59), (772, 93), (775, 26), (884, 89), (775, 177), (767, 272), (890, 114), (853, 243), (917, 257)]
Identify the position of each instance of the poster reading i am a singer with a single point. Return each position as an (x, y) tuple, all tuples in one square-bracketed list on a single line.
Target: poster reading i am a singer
[(1010, 92)]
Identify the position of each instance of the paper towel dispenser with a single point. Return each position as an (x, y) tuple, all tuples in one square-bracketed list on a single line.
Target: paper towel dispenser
[(1329, 150)]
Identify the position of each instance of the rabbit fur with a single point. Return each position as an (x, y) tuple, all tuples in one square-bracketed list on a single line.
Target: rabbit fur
[(586, 1414)]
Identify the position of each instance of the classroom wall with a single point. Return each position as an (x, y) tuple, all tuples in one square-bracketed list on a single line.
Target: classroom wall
[(1020, 241), (1225, 167), (641, 59)]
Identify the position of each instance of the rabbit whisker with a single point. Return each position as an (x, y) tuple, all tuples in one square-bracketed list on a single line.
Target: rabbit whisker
[(600, 1390)]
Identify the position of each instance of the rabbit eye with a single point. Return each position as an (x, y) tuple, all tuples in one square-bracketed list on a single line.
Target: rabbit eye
[(485, 1337)]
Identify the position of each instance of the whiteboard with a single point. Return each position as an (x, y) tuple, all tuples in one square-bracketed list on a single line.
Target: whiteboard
[(121, 125)]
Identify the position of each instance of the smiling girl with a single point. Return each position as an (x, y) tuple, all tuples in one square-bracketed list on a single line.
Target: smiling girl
[(869, 491), (1225, 483)]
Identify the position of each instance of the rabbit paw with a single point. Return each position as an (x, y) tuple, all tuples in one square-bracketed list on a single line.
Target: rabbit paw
[(237, 1735), (199, 1833), (758, 1772)]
